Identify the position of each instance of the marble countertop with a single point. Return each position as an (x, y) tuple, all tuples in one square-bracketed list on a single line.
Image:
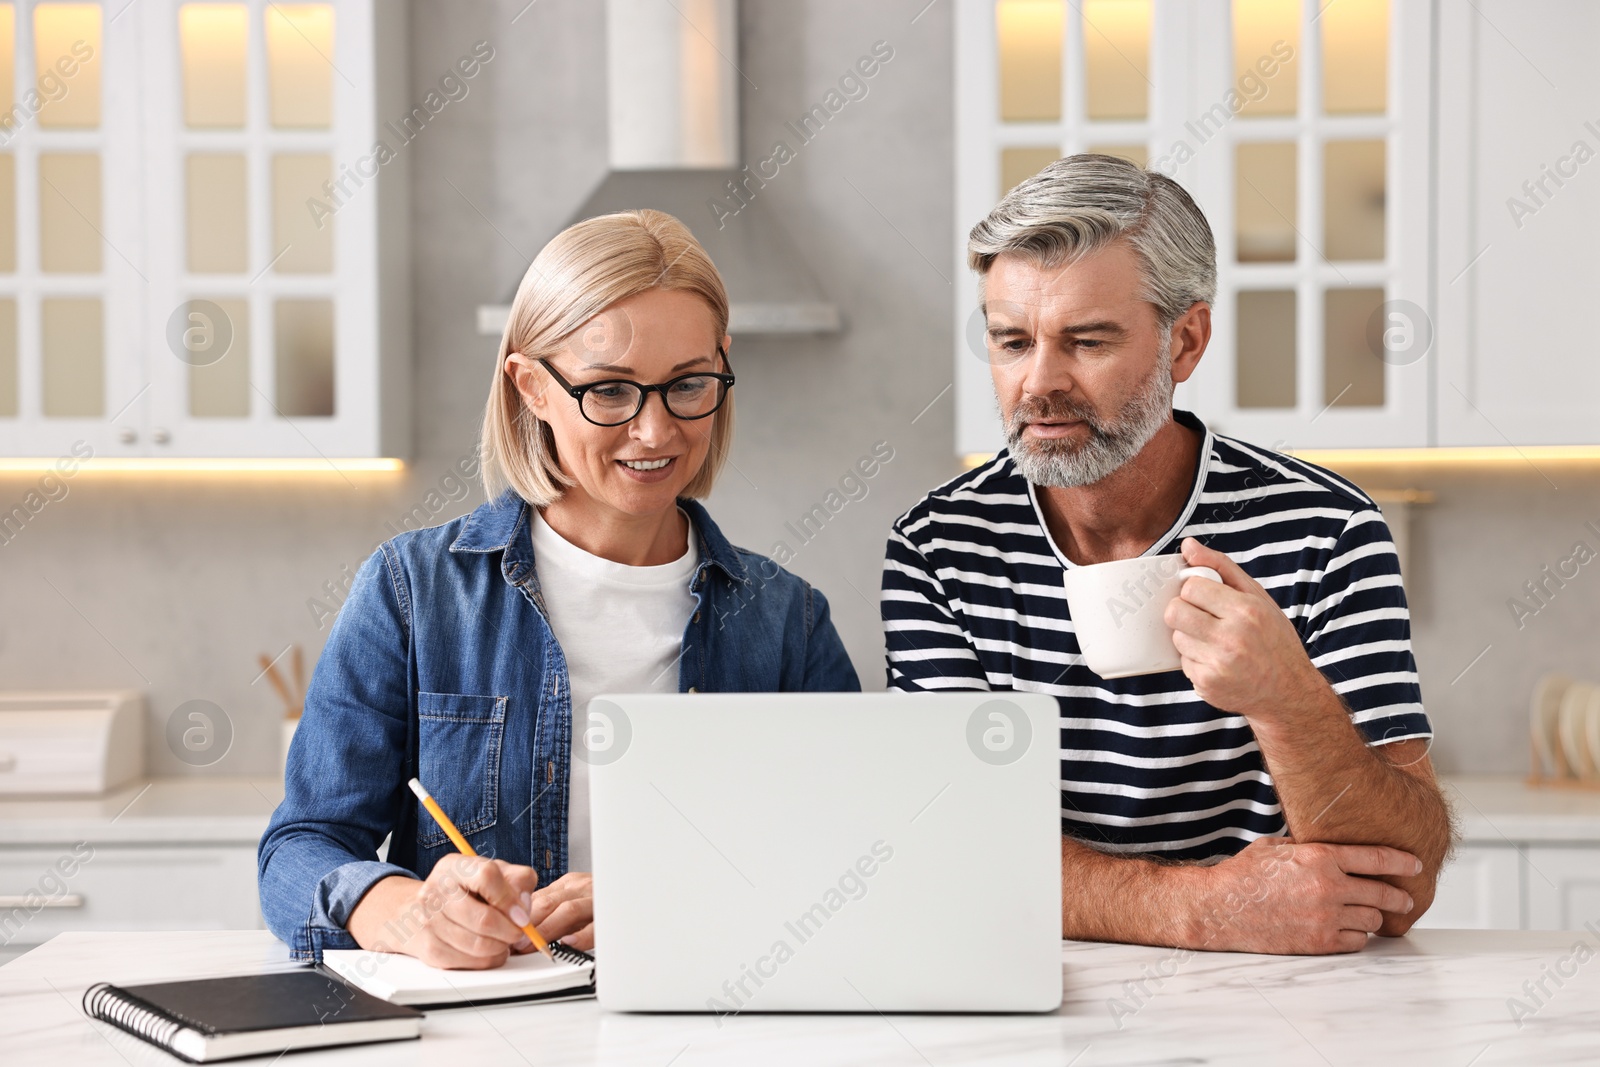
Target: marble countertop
[(1434, 997), (191, 810), (1504, 809)]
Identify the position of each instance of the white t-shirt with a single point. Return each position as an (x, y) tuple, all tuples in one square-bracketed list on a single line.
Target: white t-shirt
[(621, 629)]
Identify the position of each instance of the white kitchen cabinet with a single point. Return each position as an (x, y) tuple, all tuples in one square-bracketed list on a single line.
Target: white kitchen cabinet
[(1563, 887), (173, 854), (1519, 215), (1529, 857), (121, 887), (202, 251), (1300, 129), (1481, 889), (1489, 210)]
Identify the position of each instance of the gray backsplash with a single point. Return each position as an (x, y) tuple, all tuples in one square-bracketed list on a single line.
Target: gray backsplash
[(174, 585)]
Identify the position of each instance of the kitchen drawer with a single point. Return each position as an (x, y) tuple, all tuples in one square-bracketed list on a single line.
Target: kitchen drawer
[(1480, 889), (122, 887), (1563, 887)]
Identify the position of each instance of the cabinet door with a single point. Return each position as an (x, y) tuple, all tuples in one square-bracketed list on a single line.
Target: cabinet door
[(1312, 171), (1563, 887), (71, 233), (47, 890), (1519, 215), (1479, 890), (263, 281), (198, 226)]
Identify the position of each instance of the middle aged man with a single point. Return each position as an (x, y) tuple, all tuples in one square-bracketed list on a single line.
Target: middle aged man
[(1275, 796)]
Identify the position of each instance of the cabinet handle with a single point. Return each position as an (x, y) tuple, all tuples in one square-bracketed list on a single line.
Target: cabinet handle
[(161, 437), (127, 436), (32, 900)]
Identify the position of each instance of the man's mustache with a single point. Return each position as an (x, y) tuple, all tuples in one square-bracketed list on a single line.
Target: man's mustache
[(1053, 408)]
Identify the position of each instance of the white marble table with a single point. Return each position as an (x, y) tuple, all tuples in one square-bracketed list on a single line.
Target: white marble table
[(1435, 997)]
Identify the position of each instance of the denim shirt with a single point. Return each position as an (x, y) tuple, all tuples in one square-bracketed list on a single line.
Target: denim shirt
[(442, 665)]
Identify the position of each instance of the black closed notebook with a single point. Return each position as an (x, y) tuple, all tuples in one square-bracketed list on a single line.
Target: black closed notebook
[(212, 1019)]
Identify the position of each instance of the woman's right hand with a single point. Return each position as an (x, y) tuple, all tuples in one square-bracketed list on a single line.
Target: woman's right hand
[(466, 916)]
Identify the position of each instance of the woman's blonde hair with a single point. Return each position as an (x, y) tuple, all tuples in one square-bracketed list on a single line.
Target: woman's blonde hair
[(585, 269)]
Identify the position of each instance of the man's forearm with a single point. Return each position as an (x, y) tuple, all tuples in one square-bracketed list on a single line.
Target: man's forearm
[(1124, 898), (1335, 788)]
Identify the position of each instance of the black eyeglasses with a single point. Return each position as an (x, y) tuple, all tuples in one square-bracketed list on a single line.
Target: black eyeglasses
[(614, 401)]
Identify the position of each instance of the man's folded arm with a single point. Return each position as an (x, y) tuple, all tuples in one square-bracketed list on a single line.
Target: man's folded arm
[(1357, 771)]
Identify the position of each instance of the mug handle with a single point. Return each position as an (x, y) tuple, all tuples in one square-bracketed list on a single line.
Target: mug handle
[(1200, 572)]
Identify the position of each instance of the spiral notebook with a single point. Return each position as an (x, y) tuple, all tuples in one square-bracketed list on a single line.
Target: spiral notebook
[(406, 980), (212, 1019)]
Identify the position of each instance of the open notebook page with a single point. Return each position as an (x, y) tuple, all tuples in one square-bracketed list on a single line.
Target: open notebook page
[(403, 979)]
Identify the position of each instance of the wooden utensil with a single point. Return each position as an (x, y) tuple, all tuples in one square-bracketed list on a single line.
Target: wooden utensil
[(270, 669)]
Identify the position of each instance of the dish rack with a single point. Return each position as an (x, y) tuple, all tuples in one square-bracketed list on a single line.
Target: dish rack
[(1564, 734)]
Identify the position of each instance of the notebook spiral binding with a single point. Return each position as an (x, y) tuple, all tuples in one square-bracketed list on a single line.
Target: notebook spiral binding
[(568, 954), (106, 1002)]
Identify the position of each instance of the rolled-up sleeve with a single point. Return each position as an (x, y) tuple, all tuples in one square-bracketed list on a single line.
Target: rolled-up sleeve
[(346, 769)]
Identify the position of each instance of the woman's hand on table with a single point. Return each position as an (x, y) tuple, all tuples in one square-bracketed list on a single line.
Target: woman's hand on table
[(564, 910), (465, 916)]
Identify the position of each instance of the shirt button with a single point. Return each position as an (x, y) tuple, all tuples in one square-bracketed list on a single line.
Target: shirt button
[(550, 771), (692, 689), (697, 616), (549, 860)]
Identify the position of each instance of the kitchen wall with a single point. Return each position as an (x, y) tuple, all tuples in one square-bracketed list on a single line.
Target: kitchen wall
[(175, 584), (1490, 532)]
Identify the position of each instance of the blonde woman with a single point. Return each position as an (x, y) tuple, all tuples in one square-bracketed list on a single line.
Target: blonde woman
[(464, 650)]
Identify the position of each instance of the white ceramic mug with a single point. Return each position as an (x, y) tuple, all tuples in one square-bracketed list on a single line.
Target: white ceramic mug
[(1119, 608)]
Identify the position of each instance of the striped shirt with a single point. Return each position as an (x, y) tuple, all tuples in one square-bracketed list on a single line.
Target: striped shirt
[(973, 599)]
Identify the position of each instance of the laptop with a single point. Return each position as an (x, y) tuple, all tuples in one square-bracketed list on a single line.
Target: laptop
[(839, 852)]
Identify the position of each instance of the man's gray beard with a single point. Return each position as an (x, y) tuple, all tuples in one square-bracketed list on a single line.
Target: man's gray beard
[(1060, 464)]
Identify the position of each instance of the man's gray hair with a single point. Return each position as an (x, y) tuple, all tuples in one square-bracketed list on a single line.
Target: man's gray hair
[(1082, 203)]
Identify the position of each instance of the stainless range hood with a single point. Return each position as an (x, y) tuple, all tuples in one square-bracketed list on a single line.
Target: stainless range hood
[(674, 146)]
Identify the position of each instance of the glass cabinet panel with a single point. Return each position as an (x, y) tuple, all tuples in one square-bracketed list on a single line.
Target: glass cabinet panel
[(304, 332), (8, 358), (1264, 32), (1265, 202), (1019, 164), (1353, 199), (66, 57), (1116, 55), (1355, 57), (300, 65), (72, 335), (69, 212), (8, 214), (1030, 59), (8, 63), (213, 40), (303, 244), (1265, 372), (1352, 373), (218, 213), (219, 360)]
